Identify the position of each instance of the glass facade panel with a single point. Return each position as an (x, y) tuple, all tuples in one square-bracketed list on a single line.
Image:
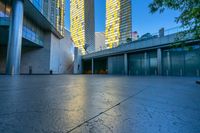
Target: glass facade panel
[(136, 64), (153, 63), (166, 67), (177, 63), (116, 65), (192, 62), (182, 61), (139, 65)]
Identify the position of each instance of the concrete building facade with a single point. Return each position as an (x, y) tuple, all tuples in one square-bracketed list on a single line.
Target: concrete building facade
[(82, 26), (118, 22), (154, 56), (33, 38)]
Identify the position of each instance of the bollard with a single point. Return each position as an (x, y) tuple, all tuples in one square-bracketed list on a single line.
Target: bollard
[(51, 72), (30, 70)]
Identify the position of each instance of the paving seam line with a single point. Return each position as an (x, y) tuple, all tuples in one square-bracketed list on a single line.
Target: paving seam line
[(103, 112)]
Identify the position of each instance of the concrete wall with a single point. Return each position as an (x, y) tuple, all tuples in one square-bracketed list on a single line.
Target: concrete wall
[(37, 58), (56, 55), (61, 59), (77, 61)]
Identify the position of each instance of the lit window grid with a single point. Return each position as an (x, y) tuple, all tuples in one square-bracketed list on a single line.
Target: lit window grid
[(59, 17), (77, 28), (117, 33)]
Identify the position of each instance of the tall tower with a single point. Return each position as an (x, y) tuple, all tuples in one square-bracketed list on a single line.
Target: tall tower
[(56, 14), (60, 6), (82, 24), (118, 22)]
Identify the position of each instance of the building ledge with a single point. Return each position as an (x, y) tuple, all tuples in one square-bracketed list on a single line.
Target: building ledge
[(32, 13), (137, 46), (4, 33)]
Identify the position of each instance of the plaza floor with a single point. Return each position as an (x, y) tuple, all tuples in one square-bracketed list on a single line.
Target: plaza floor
[(99, 104)]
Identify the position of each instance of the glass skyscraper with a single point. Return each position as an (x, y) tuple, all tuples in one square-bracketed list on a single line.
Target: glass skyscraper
[(82, 24), (118, 22)]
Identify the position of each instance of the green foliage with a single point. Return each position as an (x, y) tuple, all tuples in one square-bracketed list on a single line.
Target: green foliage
[(189, 13), (128, 40)]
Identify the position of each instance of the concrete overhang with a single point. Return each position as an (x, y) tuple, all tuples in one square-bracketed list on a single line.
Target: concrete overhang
[(140, 45), (4, 33)]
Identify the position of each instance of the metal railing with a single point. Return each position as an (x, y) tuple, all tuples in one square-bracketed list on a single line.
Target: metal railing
[(167, 32)]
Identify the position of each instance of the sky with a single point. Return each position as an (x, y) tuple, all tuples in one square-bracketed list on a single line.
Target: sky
[(142, 20)]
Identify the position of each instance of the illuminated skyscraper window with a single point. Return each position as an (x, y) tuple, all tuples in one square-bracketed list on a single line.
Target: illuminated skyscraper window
[(82, 24), (118, 22), (53, 10)]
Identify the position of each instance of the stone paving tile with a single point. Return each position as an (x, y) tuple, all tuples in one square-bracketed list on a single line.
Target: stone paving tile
[(86, 103)]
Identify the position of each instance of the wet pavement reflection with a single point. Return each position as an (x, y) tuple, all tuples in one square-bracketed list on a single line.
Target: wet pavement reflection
[(99, 104)]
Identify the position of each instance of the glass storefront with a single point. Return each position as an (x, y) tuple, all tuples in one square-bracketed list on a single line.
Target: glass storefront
[(116, 65), (137, 64), (174, 62), (182, 61), (153, 63), (143, 63)]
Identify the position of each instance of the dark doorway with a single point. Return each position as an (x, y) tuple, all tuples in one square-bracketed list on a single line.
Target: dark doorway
[(101, 66), (87, 66)]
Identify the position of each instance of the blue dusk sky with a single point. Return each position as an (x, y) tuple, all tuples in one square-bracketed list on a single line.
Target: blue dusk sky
[(142, 20)]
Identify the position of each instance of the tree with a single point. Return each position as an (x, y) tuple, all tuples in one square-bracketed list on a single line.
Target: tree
[(189, 13), (128, 40)]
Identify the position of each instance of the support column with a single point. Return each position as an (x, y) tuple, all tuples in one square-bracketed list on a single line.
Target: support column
[(168, 63), (77, 61), (92, 66), (159, 58), (15, 38), (145, 63), (125, 64)]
